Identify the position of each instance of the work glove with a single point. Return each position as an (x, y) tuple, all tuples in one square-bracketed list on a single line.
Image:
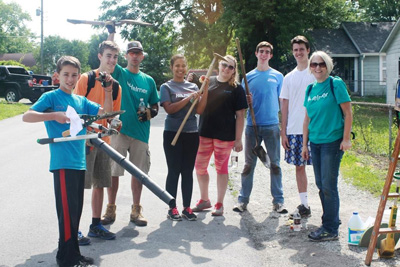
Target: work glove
[(147, 114), (110, 27)]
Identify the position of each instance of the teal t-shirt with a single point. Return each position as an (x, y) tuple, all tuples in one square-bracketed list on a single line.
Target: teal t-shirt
[(135, 86), (326, 118)]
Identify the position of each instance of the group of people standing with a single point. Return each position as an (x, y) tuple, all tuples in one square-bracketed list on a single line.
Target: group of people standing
[(316, 124)]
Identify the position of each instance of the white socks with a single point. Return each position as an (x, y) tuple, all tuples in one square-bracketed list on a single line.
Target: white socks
[(304, 199)]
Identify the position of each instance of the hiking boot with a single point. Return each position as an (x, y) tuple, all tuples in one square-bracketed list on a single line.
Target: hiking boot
[(218, 209), (137, 217), (173, 214), (188, 214), (280, 208), (202, 205), (302, 210), (240, 207), (321, 235), (82, 240), (109, 216), (100, 232)]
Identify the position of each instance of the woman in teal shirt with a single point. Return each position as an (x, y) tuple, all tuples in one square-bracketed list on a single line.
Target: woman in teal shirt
[(327, 125)]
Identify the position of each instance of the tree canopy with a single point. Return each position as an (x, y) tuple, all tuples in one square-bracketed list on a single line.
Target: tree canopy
[(15, 37)]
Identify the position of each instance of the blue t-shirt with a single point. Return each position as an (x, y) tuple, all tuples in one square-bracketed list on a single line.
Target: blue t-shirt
[(174, 92), (134, 87), (70, 154), (323, 108), (265, 86)]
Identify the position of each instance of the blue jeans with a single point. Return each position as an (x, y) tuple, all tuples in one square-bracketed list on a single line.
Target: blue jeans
[(271, 136), (326, 162)]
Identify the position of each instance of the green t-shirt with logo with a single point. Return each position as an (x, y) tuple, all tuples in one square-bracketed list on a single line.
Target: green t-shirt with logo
[(323, 107), (134, 87)]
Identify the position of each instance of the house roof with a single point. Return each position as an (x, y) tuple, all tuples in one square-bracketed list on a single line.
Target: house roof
[(333, 41), (391, 36), (368, 37), (26, 59)]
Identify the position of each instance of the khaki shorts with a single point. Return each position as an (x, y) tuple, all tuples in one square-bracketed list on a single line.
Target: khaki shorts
[(98, 169), (139, 153)]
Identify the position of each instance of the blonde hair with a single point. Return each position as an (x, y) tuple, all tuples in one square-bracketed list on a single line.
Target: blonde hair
[(234, 80), (325, 57)]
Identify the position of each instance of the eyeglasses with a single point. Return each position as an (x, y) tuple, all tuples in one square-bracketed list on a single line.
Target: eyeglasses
[(320, 64), (132, 53), (224, 65)]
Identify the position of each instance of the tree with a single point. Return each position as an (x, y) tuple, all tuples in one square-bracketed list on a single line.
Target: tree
[(54, 47), (279, 21), (206, 26), (380, 10), (15, 37), (159, 42)]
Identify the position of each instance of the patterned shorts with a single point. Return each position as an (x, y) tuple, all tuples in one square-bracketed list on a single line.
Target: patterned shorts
[(293, 156)]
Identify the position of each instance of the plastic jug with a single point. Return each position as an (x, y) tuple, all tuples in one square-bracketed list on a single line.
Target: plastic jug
[(356, 229)]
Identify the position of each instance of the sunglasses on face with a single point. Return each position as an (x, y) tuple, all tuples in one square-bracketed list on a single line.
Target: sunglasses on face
[(224, 65), (320, 64)]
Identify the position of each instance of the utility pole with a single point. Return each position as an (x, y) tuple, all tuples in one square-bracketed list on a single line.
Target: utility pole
[(39, 12)]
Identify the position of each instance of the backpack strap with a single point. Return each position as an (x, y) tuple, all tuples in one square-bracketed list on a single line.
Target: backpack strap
[(92, 80), (115, 88)]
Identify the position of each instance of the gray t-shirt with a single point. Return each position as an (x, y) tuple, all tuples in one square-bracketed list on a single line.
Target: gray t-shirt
[(174, 92)]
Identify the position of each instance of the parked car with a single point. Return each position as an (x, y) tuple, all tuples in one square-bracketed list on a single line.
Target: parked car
[(17, 83)]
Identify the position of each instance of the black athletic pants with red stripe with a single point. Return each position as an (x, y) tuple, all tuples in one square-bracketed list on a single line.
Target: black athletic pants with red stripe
[(68, 189)]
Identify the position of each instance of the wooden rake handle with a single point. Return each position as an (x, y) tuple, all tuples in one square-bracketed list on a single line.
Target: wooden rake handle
[(209, 72), (246, 85)]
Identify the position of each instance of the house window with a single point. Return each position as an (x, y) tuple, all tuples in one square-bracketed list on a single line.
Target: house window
[(382, 70)]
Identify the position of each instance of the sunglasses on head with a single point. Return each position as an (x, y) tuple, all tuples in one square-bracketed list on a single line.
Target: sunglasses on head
[(224, 65), (315, 64)]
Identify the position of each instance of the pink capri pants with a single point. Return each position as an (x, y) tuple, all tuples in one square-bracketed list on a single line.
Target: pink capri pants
[(221, 149)]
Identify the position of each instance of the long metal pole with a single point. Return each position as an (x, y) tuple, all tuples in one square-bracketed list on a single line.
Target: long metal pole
[(41, 37)]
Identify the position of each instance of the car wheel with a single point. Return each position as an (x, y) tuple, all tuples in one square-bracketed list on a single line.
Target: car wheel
[(12, 95)]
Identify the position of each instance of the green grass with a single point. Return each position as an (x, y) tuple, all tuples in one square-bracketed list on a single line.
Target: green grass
[(8, 110), (366, 164)]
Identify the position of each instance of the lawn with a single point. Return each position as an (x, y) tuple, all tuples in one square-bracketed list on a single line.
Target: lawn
[(367, 162), (8, 110)]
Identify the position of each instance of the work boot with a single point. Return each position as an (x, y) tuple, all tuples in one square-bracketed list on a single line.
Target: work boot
[(137, 217), (109, 216)]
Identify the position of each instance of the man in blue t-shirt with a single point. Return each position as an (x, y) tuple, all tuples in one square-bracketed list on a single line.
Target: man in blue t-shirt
[(265, 86), (134, 135)]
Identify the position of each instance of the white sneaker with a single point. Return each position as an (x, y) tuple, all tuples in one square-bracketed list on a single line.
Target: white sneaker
[(240, 207), (280, 208)]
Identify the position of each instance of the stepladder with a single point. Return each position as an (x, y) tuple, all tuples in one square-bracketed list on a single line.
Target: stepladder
[(392, 229)]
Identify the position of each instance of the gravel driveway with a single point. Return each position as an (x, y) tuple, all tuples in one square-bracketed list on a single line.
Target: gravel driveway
[(280, 246)]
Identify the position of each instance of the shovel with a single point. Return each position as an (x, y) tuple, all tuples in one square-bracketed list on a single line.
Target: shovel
[(258, 150)]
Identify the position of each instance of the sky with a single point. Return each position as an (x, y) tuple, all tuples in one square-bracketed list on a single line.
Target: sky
[(55, 17)]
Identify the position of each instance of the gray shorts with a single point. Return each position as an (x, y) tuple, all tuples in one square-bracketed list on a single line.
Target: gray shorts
[(139, 153), (98, 169)]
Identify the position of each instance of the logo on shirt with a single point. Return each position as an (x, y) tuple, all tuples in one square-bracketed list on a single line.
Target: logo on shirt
[(317, 97), (136, 89), (272, 80), (182, 95)]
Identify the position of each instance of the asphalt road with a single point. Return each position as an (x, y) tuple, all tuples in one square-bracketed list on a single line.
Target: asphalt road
[(29, 232)]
